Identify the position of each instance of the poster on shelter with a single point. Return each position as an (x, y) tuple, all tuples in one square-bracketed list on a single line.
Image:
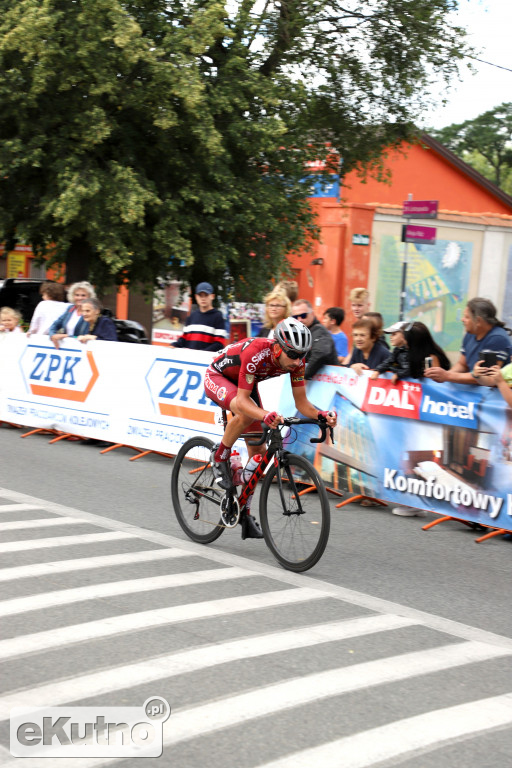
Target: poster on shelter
[(436, 288), (171, 306)]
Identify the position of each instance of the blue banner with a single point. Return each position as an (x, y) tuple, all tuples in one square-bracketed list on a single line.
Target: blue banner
[(440, 447)]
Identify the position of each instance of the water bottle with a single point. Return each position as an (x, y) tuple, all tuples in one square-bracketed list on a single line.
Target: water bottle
[(251, 465), (236, 467)]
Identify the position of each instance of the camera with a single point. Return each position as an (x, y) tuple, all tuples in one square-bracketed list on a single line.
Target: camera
[(428, 362)]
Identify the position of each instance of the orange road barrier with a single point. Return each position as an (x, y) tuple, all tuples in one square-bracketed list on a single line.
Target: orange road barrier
[(494, 532), (145, 453), (358, 498), (41, 430)]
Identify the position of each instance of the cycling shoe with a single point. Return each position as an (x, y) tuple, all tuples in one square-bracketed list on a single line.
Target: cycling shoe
[(250, 528), (222, 474)]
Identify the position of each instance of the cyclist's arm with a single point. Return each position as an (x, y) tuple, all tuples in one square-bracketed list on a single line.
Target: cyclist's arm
[(247, 406)]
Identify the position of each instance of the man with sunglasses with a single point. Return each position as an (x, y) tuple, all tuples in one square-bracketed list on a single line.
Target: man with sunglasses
[(323, 349), (232, 381)]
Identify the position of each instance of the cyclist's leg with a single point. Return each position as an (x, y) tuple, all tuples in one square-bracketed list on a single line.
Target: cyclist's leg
[(250, 526), (223, 392)]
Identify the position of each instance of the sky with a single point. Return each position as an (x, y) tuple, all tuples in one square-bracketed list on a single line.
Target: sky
[(489, 26)]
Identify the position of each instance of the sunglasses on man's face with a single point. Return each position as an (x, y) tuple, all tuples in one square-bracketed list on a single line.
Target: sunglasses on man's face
[(302, 316), (293, 355)]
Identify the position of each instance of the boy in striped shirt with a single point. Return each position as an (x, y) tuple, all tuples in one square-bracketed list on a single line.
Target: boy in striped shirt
[(204, 328)]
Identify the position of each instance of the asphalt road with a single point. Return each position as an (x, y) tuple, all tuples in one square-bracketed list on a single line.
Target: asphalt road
[(396, 647)]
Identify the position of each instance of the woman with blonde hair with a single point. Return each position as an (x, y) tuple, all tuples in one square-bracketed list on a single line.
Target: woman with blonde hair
[(277, 307), (65, 324)]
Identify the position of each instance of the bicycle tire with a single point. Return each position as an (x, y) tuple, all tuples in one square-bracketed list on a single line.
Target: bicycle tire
[(297, 540), (195, 496)]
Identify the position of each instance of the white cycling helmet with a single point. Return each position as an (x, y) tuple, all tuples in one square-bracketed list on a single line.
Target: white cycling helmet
[(294, 336)]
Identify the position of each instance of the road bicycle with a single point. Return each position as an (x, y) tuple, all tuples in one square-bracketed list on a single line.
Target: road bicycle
[(294, 507)]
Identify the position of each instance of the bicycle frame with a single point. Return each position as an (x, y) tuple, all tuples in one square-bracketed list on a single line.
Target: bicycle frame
[(274, 447), (274, 451)]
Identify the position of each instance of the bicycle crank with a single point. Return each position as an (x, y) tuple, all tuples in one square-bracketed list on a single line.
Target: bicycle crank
[(229, 510)]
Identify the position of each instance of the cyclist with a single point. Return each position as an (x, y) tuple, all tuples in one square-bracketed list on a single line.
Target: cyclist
[(232, 380)]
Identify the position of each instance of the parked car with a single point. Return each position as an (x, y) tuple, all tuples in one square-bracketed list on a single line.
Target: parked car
[(22, 293)]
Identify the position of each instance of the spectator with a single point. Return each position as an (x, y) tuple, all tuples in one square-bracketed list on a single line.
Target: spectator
[(323, 351), (204, 327), (379, 322), (484, 333), (277, 307), (412, 346), (367, 352), (51, 307), (10, 320), (93, 325), (65, 324), (359, 302), (290, 288), (332, 320)]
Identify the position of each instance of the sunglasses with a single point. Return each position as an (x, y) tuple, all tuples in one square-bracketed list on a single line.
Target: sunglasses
[(293, 355), (302, 316)]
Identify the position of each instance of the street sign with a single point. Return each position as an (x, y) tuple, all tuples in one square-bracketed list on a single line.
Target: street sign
[(420, 209), (360, 239), (414, 233)]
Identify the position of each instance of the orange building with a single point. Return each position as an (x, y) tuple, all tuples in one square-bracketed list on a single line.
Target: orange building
[(361, 242)]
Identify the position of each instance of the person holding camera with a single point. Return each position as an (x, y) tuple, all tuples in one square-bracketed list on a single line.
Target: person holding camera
[(414, 351), (486, 343)]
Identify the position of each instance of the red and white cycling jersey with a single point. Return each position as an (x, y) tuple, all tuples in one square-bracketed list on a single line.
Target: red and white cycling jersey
[(248, 362)]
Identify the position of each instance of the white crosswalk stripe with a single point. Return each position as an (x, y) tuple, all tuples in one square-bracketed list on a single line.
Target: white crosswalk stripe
[(247, 706), (200, 658), (126, 587), (4, 508), (62, 541), (405, 736), (305, 617), (43, 522), (116, 625), (88, 563)]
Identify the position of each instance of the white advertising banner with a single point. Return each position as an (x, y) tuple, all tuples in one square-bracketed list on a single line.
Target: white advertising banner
[(139, 395)]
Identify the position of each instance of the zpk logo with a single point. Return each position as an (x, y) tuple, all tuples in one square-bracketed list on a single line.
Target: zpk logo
[(65, 374), (177, 390)]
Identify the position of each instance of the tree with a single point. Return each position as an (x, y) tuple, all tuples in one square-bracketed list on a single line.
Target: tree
[(485, 143), (164, 136)]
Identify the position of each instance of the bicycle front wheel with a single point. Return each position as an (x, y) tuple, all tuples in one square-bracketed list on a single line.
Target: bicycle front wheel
[(294, 513), (195, 495)]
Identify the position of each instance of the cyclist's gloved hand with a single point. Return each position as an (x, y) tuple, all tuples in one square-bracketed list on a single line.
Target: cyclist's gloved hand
[(273, 419), (329, 416)]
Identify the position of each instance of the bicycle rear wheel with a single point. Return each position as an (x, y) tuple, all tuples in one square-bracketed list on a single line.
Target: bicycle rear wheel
[(195, 495), (294, 513)]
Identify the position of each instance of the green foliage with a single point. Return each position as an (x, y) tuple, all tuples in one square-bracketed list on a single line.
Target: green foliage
[(171, 137), (485, 143)]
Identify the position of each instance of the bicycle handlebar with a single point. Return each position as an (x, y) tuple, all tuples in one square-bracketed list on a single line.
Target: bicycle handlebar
[(288, 421)]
